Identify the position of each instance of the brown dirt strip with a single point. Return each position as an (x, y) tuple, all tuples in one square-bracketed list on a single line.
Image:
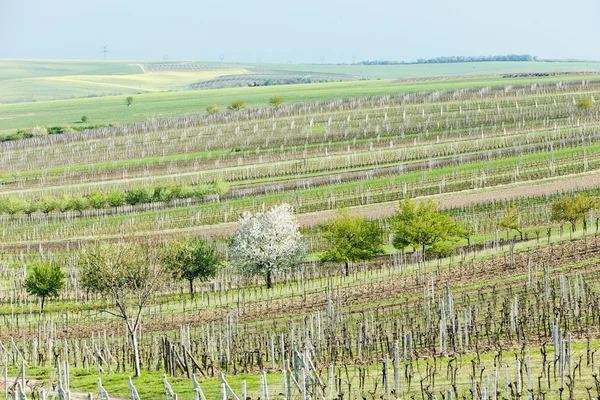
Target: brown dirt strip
[(392, 290)]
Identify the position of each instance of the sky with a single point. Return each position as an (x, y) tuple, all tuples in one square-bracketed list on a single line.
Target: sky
[(280, 31)]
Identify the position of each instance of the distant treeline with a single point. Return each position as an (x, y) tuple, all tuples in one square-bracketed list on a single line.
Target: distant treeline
[(456, 59)]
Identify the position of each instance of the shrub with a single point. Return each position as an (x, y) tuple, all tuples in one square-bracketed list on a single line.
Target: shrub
[(212, 109), (585, 104), (276, 100), (115, 198), (97, 199), (39, 131), (237, 105), (84, 119)]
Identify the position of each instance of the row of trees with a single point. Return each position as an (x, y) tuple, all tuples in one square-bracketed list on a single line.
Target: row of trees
[(99, 199), (238, 105), (569, 209), (457, 59)]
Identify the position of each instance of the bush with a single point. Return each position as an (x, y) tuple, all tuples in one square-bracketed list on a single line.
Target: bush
[(212, 109), (115, 198), (585, 104), (276, 100), (47, 204), (84, 119), (97, 200), (79, 203), (237, 105), (38, 131), (57, 130)]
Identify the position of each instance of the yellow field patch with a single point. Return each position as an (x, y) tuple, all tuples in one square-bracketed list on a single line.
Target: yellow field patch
[(151, 82)]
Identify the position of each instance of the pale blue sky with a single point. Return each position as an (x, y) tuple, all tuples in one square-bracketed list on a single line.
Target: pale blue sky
[(298, 31)]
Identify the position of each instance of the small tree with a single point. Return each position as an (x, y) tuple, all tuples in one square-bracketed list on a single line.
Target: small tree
[(267, 243), (39, 131), (237, 105), (585, 104), (192, 259), (97, 199), (79, 203), (115, 198), (511, 221), (572, 208), (84, 119), (12, 205), (212, 109), (425, 226), (47, 204), (44, 281), (129, 100), (353, 239), (129, 275), (276, 100)]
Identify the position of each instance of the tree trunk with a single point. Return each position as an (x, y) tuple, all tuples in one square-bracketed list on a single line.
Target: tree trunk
[(347, 268), (43, 301), (136, 352), (269, 282), (423, 255), (191, 288)]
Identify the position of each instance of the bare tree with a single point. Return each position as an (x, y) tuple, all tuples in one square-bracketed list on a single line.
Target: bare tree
[(128, 274)]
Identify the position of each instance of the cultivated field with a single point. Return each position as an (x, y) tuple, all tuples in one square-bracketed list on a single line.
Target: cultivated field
[(507, 314)]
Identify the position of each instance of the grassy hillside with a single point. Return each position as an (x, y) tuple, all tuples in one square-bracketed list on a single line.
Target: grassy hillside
[(107, 110), (43, 80), (69, 86)]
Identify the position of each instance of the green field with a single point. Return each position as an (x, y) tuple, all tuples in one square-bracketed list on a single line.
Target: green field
[(112, 109)]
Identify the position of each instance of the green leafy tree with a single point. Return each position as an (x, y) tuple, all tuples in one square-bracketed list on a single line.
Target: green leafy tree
[(212, 109), (47, 204), (201, 190), (276, 100), (353, 239), (31, 206), (192, 259), (586, 104), (44, 281), (139, 195), (79, 203), (423, 226), (84, 119), (129, 100), (97, 199), (127, 274), (115, 198), (511, 221), (220, 187), (573, 208), (237, 105), (12, 205)]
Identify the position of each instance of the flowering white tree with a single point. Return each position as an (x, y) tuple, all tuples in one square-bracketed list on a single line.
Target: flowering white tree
[(267, 243)]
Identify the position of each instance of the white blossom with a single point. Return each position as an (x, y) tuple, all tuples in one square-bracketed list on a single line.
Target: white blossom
[(268, 243)]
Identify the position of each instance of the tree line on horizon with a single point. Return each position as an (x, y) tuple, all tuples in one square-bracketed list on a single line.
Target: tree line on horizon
[(456, 59)]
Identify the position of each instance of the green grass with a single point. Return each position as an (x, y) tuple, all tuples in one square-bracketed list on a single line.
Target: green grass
[(69, 86), (107, 110)]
